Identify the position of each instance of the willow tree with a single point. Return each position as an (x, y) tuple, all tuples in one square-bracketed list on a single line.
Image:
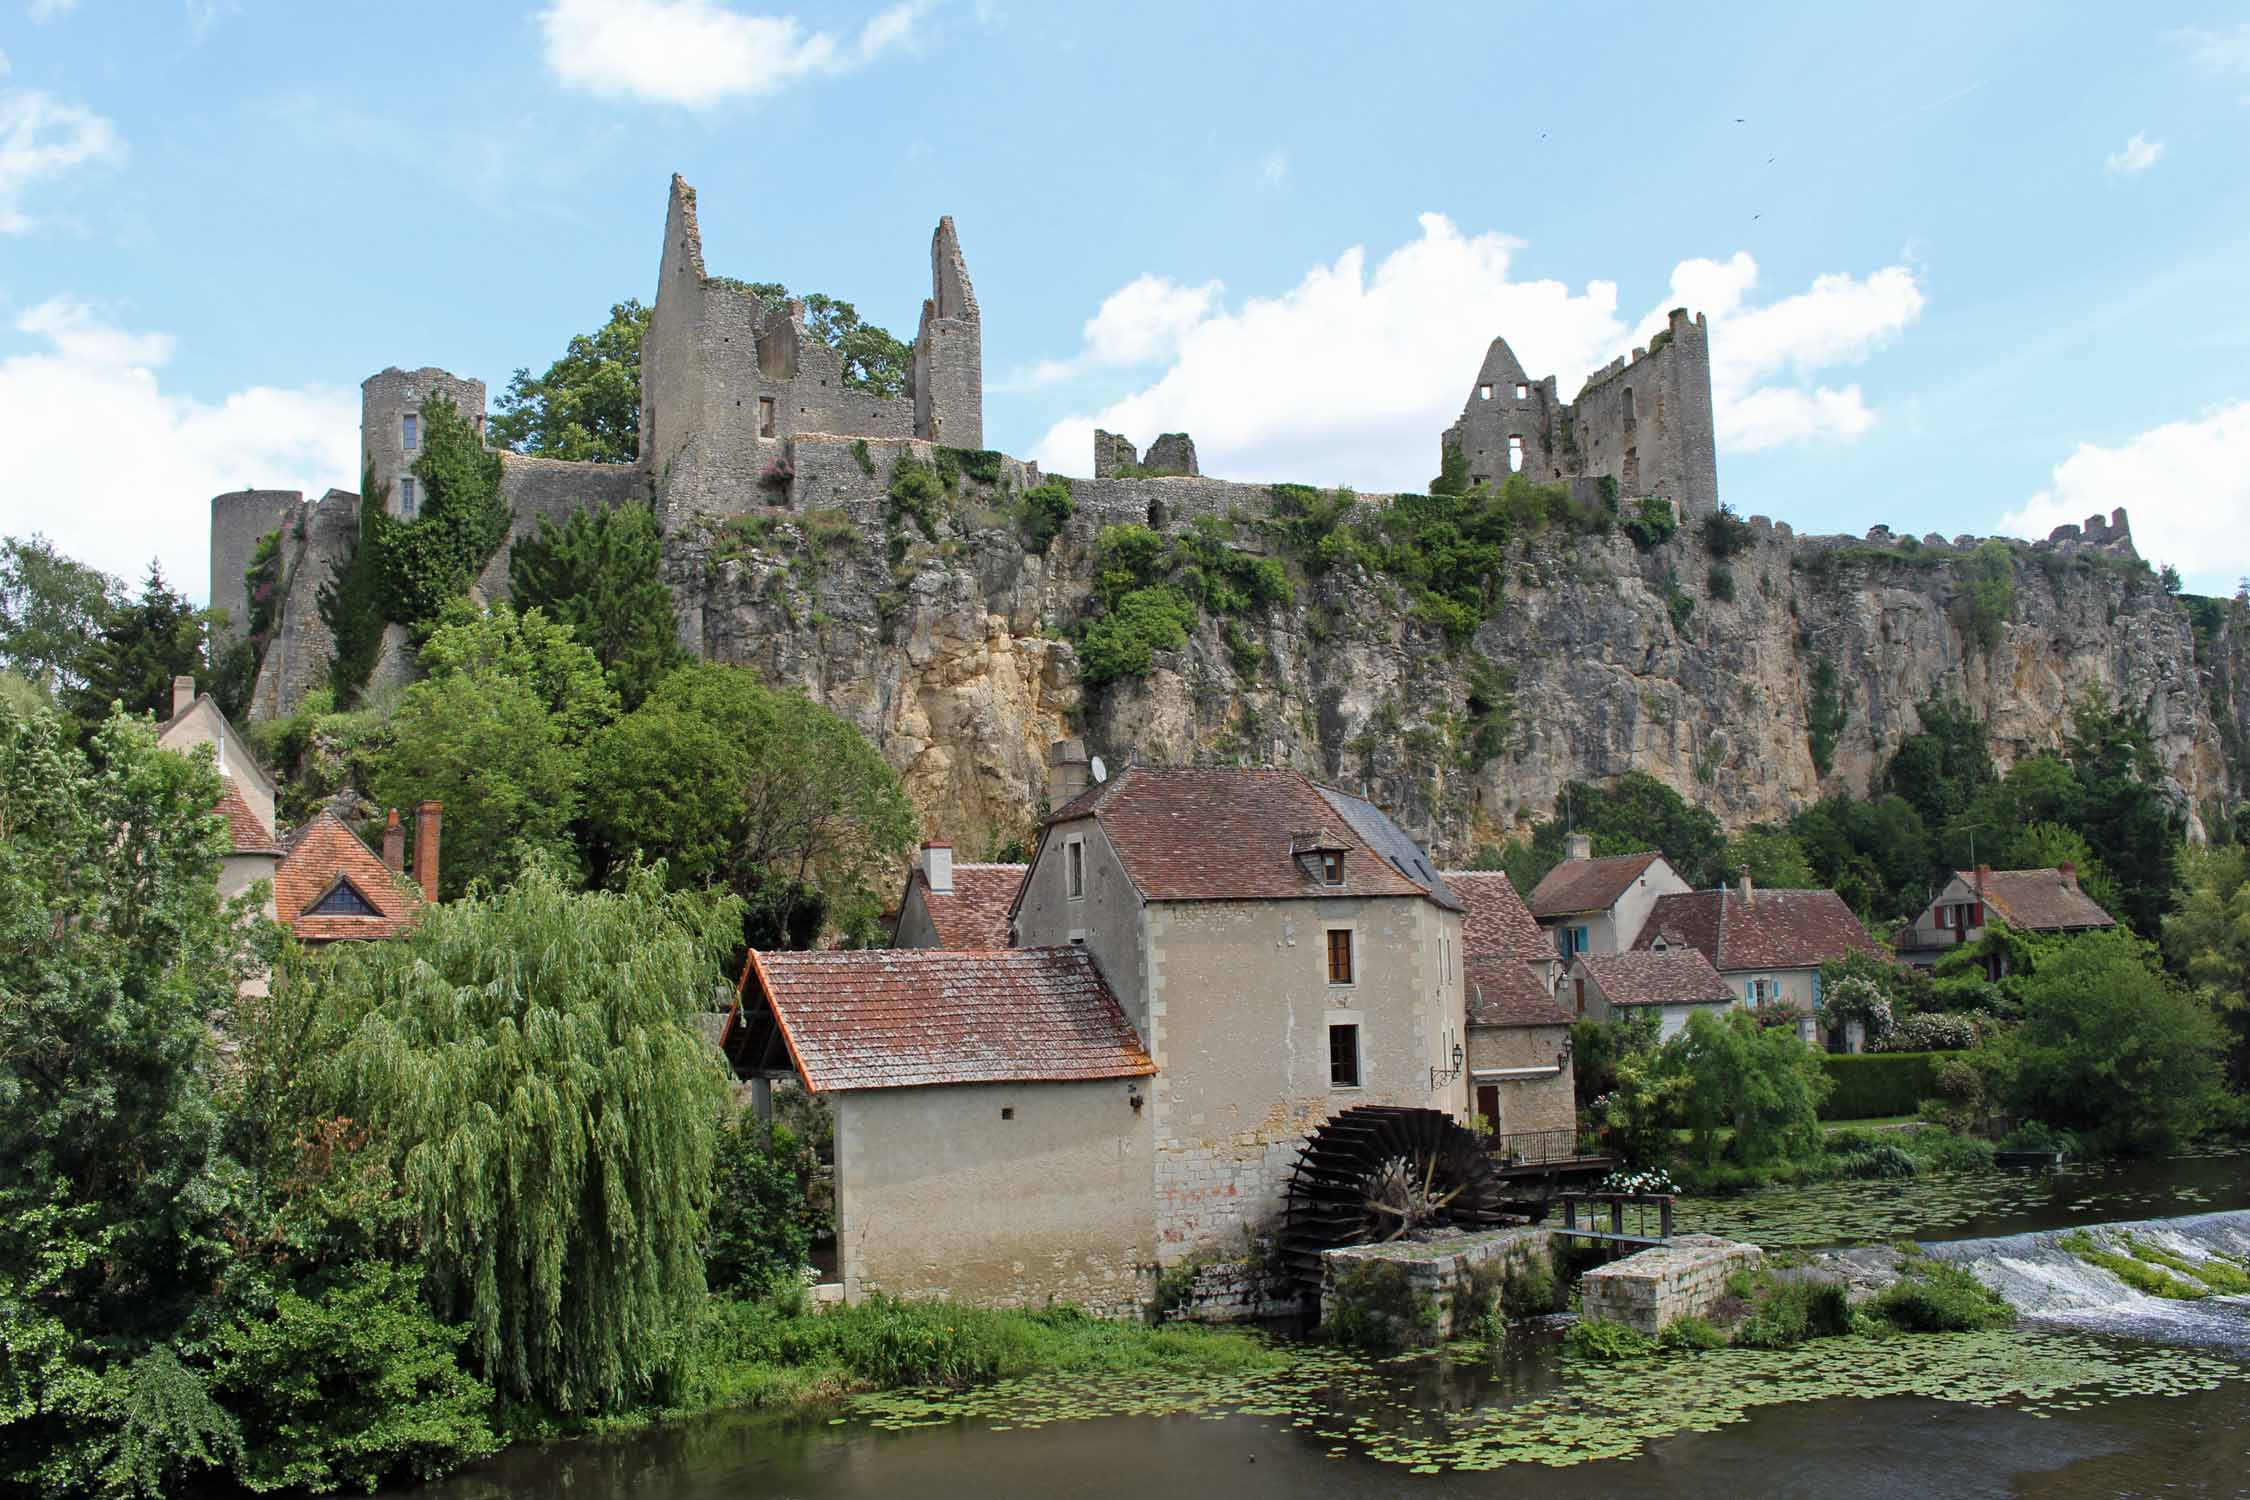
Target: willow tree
[(531, 1059)]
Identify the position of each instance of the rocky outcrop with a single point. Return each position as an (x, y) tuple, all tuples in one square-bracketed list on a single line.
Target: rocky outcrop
[(953, 655)]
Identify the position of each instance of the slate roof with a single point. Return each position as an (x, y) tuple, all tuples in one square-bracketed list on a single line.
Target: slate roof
[(2038, 900), (1225, 835), (1385, 837), (974, 914), (249, 832), (1502, 991), (1583, 885), (1677, 976), (1773, 930), (1494, 918), (912, 1017), (313, 858)]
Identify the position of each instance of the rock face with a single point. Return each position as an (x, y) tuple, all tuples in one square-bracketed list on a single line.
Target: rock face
[(954, 659)]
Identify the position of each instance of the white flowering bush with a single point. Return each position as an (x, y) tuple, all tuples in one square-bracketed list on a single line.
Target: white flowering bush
[(1657, 1181), (1857, 999), (1937, 1032)]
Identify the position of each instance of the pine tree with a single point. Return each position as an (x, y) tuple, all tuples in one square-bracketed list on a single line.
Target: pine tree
[(144, 644), (602, 575)]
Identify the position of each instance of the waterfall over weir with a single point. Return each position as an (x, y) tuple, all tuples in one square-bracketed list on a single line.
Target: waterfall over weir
[(2048, 1284)]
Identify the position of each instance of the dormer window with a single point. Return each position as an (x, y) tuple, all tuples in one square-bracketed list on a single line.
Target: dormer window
[(1331, 867)]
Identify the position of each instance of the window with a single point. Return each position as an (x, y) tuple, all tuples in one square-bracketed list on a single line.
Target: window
[(406, 498), (1339, 955), (1523, 392), (1007, 1111), (410, 431), (1074, 868), (1484, 393), (1759, 991), (343, 900), (1515, 455), (1343, 1057), (1331, 867), (765, 416), (1571, 941)]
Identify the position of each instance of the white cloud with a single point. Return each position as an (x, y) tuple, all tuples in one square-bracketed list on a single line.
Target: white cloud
[(1142, 320), (2136, 156), (1351, 375), (1273, 169), (2218, 52), (124, 471), (47, 10), (2186, 486), (702, 52), (43, 138)]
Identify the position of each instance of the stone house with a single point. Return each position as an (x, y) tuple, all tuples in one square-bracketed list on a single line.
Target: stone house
[(1767, 945), (1600, 905), (1522, 1087), (248, 798), (1675, 984), (1208, 965), (2045, 901), (949, 905)]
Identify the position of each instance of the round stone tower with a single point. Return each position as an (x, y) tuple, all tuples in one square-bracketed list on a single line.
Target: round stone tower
[(390, 429)]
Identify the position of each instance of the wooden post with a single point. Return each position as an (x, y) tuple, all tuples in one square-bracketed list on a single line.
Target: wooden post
[(1617, 1216), (1664, 1216), (1570, 1215)]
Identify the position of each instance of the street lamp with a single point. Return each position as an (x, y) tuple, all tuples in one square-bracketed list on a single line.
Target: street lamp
[(1440, 1076)]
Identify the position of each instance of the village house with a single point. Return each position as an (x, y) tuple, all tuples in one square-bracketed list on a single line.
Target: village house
[(2045, 901), (1767, 945), (323, 882), (1522, 1089), (1673, 984), (949, 905), (1600, 905), (1208, 965)]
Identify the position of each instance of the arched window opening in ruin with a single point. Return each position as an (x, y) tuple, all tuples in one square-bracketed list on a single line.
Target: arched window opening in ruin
[(765, 416), (1156, 515), (1515, 455)]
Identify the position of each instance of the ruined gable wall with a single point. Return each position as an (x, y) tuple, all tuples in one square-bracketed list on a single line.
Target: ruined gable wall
[(1648, 421), (949, 350)]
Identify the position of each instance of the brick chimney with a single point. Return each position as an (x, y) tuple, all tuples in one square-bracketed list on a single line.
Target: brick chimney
[(1744, 889), (937, 867), (394, 845), (426, 847), (1581, 847), (183, 695), (2068, 869), (1068, 771)]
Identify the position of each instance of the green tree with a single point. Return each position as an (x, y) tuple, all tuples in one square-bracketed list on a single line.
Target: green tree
[(1753, 1092), (733, 784), (761, 1229), (431, 560), (1875, 854), (496, 732), (1942, 768), (1773, 857), (587, 407), (52, 609), (601, 574), (531, 1060), (144, 643), (354, 600), (2122, 810), (1634, 813), (115, 952), (874, 361), (2208, 938), (2112, 1047)]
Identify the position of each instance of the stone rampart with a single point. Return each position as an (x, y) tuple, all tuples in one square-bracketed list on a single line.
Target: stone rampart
[(239, 520), (1651, 1291)]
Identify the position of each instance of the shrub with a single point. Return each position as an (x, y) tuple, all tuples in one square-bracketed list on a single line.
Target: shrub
[(1936, 1031), (1933, 1296), (761, 1234), (916, 494), (1794, 1312), (1598, 1338), (350, 1386), (1725, 534), (1869, 1085), (1825, 715), (1882, 1161), (1124, 642), (1528, 1289), (1691, 1333), (1651, 522), (1043, 512), (1721, 585)]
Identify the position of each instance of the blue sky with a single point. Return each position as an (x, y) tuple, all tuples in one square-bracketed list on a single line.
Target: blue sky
[(1969, 268)]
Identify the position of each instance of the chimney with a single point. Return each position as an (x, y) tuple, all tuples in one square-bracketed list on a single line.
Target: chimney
[(937, 867), (394, 845), (426, 847), (183, 695), (1745, 889), (2069, 872), (1581, 847), (1068, 771)]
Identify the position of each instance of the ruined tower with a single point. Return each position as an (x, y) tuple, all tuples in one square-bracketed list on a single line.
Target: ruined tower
[(1645, 421), (390, 428), (949, 350)]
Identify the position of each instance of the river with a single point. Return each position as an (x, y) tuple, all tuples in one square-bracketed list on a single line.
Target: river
[(2102, 1392)]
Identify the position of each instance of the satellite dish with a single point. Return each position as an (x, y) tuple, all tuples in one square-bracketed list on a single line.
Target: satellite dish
[(1101, 772)]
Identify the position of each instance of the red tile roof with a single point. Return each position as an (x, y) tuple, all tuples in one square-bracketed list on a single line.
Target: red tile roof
[(974, 914), (1677, 976), (1502, 991), (1583, 885), (249, 832), (909, 1017), (314, 857), (2038, 900), (1494, 918), (1772, 930), (1226, 835)]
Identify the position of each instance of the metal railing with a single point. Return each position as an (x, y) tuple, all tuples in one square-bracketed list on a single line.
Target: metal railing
[(1531, 1147)]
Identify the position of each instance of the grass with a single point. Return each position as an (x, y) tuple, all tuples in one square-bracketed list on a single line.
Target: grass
[(2136, 1270), (2222, 1274), (1932, 1296), (1847, 1150), (768, 1354)]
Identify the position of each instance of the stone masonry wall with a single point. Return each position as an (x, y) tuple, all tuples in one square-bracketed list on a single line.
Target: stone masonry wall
[(1423, 1293), (298, 655), (239, 520), (385, 400), (1651, 1291)]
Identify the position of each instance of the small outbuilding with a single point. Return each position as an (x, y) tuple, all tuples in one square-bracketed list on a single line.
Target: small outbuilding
[(1675, 984)]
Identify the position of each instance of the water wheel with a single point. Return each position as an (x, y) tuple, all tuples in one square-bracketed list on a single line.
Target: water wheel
[(1383, 1171)]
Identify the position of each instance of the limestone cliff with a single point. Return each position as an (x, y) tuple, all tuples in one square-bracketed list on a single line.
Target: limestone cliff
[(951, 653)]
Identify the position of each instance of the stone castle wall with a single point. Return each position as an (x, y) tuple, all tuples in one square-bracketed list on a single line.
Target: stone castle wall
[(386, 399), (240, 519)]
